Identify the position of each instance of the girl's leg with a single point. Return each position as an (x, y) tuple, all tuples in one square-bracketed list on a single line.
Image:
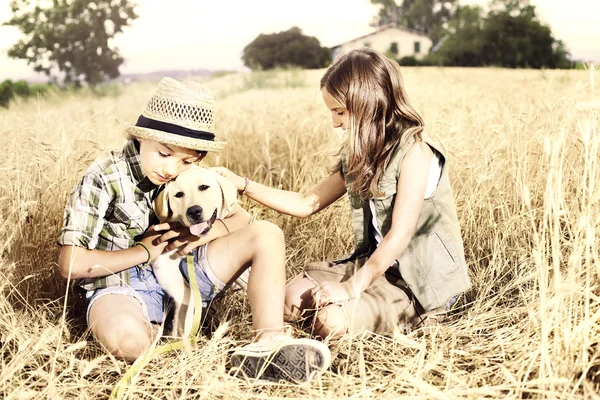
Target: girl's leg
[(331, 322), (298, 297), (385, 306), (262, 246), (118, 322)]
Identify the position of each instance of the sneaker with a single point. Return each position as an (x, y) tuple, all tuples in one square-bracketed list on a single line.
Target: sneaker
[(281, 358)]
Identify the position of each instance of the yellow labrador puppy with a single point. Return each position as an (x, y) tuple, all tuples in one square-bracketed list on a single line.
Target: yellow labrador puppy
[(195, 199)]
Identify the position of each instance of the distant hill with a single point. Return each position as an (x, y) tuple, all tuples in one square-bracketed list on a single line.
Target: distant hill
[(132, 77), (156, 75)]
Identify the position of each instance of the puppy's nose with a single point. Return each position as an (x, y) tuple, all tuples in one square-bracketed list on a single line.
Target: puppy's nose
[(194, 214)]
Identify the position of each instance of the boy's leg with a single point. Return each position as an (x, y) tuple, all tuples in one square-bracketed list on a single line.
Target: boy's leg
[(260, 245), (275, 356), (119, 323)]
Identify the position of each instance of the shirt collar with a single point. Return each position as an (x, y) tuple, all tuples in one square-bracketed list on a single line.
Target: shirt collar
[(132, 157)]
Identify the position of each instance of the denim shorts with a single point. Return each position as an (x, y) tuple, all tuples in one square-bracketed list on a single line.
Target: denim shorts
[(155, 302)]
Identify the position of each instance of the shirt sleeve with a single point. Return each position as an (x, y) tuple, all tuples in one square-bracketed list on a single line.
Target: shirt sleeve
[(85, 213)]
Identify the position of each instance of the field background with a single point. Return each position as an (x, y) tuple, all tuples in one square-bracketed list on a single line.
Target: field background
[(524, 158)]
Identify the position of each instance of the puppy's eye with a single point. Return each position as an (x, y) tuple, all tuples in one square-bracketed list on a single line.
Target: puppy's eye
[(203, 187), (179, 194)]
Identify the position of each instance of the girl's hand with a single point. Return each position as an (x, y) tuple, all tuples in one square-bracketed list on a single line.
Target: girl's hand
[(331, 292), (237, 180)]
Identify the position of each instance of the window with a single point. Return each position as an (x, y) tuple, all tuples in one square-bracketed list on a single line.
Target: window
[(394, 48), (417, 47)]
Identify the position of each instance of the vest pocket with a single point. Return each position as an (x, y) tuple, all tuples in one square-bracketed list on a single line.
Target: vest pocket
[(445, 258), (387, 188)]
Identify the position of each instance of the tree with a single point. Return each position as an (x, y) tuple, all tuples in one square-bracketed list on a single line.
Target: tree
[(6, 92), (288, 48), (71, 36), (427, 16), (463, 45), (513, 37), (509, 36), (10, 90)]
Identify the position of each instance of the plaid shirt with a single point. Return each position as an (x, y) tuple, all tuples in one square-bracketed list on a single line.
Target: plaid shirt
[(109, 209)]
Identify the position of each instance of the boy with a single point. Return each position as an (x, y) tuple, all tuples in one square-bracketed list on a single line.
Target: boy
[(107, 242)]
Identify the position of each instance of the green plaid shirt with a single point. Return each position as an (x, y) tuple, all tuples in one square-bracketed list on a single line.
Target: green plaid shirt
[(109, 209)]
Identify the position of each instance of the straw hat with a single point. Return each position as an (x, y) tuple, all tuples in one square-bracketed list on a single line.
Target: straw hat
[(180, 113)]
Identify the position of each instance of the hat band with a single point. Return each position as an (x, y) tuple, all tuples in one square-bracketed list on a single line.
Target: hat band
[(149, 123)]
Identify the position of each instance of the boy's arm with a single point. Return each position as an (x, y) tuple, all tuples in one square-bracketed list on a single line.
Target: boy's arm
[(77, 262), (186, 242), (301, 205), (84, 220)]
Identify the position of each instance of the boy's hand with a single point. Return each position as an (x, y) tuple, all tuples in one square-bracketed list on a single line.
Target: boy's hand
[(237, 180), (179, 237), (151, 239)]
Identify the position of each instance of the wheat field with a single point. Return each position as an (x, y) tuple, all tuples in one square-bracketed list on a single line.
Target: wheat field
[(524, 159)]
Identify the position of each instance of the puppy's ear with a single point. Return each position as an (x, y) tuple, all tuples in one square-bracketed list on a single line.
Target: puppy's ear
[(161, 205), (229, 193)]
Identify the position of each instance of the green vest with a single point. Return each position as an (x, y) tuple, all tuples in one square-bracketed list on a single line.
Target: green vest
[(433, 265)]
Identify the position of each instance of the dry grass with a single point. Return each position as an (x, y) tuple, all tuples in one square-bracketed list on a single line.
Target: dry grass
[(526, 175)]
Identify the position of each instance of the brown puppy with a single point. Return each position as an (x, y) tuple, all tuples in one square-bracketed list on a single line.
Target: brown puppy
[(195, 199)]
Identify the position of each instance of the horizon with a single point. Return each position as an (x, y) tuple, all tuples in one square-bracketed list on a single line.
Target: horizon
[(191, 45)]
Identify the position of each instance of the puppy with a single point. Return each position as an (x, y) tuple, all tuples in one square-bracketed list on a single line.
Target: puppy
[(195, 199)]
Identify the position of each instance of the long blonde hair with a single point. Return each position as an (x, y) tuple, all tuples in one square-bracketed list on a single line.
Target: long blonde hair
[(371, 87)]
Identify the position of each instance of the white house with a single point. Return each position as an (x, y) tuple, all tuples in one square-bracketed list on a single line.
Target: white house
[(393, 40)]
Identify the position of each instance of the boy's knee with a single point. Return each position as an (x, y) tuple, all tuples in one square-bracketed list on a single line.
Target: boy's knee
[(124, 337), (132, 347), (331, 322), (265, 227), (266, 234)]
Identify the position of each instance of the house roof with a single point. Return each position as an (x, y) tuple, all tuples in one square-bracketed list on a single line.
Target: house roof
[(381, 29)]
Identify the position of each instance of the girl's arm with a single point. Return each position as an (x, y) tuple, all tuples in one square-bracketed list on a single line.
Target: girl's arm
[(300, 205), (411, 188), (77, 262)]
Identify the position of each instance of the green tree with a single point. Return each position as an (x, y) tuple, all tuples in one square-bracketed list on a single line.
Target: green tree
[(509, 36), (70, 38), (6, 92), (463, 45), (9, 90), (513, 37), (288, 48), (427, 16)]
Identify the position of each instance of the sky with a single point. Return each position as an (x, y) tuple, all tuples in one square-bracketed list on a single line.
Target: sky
[(194, 34)]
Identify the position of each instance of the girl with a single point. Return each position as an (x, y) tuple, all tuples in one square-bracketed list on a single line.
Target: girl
[(107, 242), (408, 263)]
